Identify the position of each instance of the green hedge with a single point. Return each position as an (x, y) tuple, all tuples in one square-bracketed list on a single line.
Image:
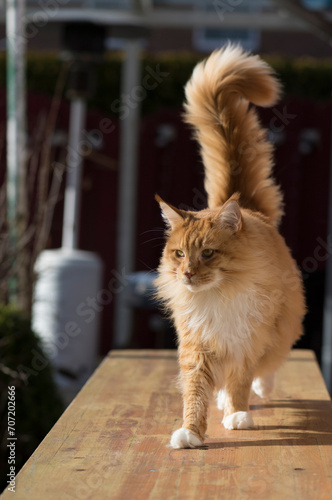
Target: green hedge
[(308, 78), (37, 402)]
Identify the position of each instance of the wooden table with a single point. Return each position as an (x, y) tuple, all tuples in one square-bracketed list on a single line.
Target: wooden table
[(112, 441)]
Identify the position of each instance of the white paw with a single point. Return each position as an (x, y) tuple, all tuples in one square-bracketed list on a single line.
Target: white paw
[(238, 420), (263, 386), (221, 399), (183, 438)]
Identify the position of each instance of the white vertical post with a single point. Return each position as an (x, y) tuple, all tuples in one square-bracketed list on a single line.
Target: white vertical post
[(70, 228), (127, 187), (327, 331), (16, 121), (327, 317)]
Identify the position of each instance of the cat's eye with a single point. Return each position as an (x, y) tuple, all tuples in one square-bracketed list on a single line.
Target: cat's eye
[(207, 253), (179, 254)]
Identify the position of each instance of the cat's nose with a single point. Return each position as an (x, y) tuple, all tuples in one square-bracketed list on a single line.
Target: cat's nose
[(189, 274)]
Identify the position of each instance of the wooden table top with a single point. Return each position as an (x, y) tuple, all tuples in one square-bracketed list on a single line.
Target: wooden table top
[(112, 441)]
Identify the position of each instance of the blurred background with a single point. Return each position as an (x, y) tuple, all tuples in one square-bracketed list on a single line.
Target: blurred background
[(90, 129)]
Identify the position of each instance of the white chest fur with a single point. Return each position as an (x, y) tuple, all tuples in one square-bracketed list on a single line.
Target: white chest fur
[(228, 323)]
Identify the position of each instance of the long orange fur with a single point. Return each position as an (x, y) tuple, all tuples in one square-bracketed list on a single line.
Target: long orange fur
[(226, 275)]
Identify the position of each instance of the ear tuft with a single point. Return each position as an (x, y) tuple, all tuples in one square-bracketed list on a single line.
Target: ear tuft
[(171, 215), (230, 216)]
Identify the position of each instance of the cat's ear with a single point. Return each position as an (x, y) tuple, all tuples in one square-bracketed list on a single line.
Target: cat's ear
[(171, 215), (230, 216)]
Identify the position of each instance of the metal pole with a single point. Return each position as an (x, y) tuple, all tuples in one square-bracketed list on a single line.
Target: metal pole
[(127, 187), (16, 123), (70, 228)]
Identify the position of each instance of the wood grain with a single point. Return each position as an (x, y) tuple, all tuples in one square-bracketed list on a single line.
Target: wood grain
[(112, 441)]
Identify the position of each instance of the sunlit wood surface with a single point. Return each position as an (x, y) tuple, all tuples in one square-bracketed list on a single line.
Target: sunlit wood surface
[(112, 441)]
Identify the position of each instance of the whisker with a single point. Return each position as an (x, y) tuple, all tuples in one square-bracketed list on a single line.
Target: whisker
[(156, 229), (152, 239), (151, 270)]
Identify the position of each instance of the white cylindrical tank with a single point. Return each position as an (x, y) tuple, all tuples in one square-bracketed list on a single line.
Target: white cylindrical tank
[(66, 313)]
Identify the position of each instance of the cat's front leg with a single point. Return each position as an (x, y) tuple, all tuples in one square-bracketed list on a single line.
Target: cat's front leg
[(236, 402), (197, 391)]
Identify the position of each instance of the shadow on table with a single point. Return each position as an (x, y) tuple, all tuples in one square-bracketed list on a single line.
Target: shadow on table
[(313, 426)]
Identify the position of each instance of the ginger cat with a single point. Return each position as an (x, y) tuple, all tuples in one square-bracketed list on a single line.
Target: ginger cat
[(226, 275)]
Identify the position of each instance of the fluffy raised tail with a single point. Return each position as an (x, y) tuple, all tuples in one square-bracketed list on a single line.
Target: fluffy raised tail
[(236, 154)]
